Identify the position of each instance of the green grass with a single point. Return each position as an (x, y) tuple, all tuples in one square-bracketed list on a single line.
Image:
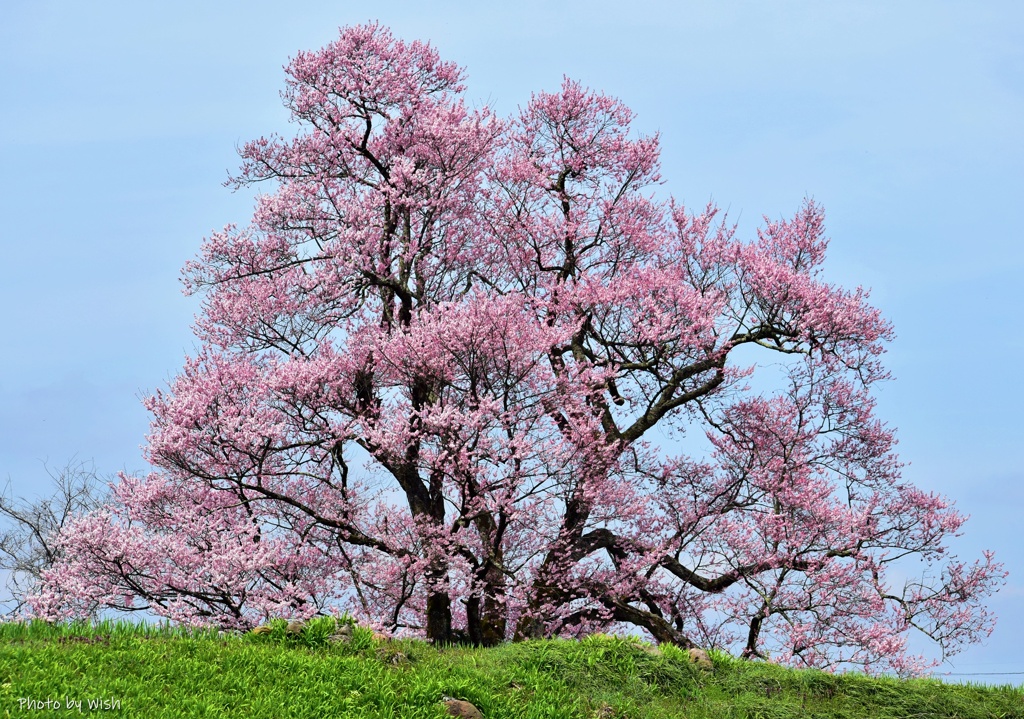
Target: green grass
[(153, 672)]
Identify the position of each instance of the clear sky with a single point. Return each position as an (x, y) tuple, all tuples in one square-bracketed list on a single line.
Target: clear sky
[(119, 122)]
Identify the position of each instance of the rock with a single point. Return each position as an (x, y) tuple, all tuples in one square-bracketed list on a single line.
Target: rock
[(463, 709), (341, 634), (701, 658), (295, 626), (262, 630), (378, 637), (390, 655)]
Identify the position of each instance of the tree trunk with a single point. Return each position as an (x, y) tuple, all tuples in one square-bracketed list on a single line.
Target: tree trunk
[(486, 619), (439, 618)]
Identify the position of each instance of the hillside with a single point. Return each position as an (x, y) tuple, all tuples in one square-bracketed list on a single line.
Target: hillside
[(129, 671)]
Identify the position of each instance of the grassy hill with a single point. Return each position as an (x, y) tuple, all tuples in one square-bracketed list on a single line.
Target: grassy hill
[(151, 673)]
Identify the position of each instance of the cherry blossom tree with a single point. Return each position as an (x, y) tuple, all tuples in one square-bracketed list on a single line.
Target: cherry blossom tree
[(439, 375)]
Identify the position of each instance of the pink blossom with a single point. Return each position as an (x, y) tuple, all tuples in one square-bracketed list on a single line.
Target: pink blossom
[(433, 373)]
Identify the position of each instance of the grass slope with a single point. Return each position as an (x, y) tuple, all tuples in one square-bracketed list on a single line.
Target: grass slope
[(154, 673)]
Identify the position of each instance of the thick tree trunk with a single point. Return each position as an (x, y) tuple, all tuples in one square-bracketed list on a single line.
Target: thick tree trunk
[(486, 621), (564, 552), (493, 623), (439, 618), (528, 627)]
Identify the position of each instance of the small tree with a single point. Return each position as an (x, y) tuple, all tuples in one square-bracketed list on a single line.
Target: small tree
[(494, 317), (29, 545)]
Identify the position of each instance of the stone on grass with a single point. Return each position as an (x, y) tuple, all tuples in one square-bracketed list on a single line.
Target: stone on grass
[(393, 656), (295, 626), (341, 634), (462, 709), (701, 658)]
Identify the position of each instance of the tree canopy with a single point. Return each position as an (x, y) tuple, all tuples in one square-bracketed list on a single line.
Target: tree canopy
[(436, 374)]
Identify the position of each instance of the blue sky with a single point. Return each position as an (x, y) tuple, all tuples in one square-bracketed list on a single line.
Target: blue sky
[(119, 122)]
